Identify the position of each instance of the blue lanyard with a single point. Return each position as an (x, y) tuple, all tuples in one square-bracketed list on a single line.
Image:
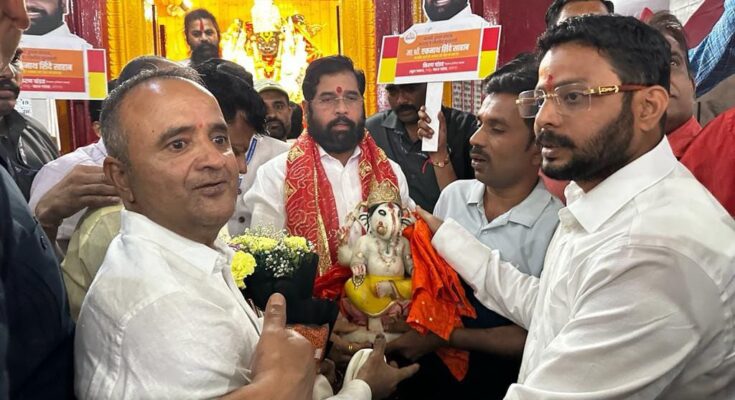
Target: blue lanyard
[(251, 150)]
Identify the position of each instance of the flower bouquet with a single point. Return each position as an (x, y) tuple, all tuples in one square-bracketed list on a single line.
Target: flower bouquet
[(267, 261)]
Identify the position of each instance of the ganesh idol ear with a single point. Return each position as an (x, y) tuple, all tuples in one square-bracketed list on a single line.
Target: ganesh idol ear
[(363, 218)]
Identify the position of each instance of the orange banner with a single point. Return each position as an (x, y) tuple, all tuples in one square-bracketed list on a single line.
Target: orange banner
[(53, 70)]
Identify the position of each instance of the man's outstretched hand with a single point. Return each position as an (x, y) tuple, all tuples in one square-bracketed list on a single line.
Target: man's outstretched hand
[(380, 376)]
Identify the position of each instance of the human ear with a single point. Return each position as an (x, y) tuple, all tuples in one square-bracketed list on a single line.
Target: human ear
[(649, 106), (118, 173)]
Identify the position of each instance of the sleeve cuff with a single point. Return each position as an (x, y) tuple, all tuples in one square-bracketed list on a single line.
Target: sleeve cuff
[(356, 389)]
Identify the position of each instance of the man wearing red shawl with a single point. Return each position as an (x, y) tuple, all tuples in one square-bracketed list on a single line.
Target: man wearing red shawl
[(311, 189)]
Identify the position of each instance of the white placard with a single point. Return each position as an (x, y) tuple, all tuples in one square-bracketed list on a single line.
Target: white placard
[(434, 93)]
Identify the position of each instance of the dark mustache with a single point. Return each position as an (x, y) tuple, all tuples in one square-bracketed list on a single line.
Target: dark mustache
[(7, 84), (407, 107), (36, 9), (549, 138), (476, 151), (273, 119), (338, 120)]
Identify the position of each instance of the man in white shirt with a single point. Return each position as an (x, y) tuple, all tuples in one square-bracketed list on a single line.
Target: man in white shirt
[(164, 318), (48, 29), (311, 189), (637, 297)]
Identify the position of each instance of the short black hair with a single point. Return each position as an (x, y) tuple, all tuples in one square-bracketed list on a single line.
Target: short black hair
[(552, 13), (637, 53), (113, 133), (329, 66), (144, 63), (228, 82), (199, 13), (516, 76), (297, 120), (95, 106), (668, 24)]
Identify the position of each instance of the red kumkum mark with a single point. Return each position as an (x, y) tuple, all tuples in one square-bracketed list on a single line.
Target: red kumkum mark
[(339, 89), (550, 83), (201, 25)]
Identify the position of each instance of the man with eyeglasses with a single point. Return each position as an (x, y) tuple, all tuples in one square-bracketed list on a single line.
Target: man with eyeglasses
[(396, 131), (331, 169), (637, 297)]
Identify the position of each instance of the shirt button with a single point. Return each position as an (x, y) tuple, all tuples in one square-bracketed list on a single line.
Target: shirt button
[(241, 220), (239, 191)]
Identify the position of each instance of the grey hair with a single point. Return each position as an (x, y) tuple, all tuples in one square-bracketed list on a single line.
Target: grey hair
[(113, 133)]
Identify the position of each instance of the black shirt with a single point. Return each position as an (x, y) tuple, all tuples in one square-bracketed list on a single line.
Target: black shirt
[(390, 134), (25, 147), (34, 312)]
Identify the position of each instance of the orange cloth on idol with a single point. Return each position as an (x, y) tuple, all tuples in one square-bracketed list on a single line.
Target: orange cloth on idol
[(438, 300), (311, 210)]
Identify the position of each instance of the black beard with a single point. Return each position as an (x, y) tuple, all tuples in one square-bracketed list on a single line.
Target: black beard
[(45, 23), (336, 142), (449, 11), (205, 51), (601, 156)]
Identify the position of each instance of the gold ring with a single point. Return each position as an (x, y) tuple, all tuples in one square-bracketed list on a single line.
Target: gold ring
[(350, 349)]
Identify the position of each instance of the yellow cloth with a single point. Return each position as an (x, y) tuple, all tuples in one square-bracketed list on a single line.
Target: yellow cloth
[(365, 297), (86, 251)]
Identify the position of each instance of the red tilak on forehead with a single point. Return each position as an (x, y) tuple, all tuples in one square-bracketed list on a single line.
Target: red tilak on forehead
[(339, 89), (201, 25), (550, 83)]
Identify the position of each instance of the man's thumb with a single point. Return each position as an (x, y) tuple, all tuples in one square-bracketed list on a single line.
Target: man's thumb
[(275, 313)]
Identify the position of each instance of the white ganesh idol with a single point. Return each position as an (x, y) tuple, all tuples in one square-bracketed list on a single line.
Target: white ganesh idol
[(380, 260)]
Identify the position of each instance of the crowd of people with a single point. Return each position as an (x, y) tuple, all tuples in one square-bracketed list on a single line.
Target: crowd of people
[(587, 212)]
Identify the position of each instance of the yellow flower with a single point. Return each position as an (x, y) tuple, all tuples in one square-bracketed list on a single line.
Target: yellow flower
[(264, 244), (296, 243), (243, 264)]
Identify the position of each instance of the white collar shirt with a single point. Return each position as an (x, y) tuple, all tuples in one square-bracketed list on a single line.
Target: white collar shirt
[(263, 148), (265, 201), (522, 233), (464, 19), (59, 38), (637, 296), (53, 172), (163, 319)]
